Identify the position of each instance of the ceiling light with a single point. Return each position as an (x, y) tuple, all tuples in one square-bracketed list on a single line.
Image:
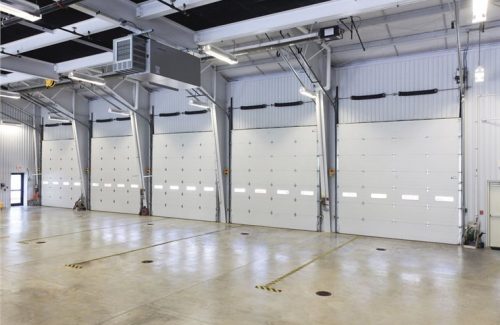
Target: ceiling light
[(22, 9), (57, 118), (115, 110), (9, 94), (86, 78), (479, 9), (198, 103), (220, 54), (304, 92), (479, 74)]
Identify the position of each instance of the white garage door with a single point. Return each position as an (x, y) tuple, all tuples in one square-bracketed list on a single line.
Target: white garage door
[(184, 170), (275, 177), (61, 184), (400, 179), (115, 180)]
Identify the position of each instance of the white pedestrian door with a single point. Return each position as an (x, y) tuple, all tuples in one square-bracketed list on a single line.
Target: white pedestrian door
[(400, 179)]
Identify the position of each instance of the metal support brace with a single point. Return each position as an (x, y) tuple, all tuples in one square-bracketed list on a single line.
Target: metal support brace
[(322, 153), (81, 136), (220, 167)]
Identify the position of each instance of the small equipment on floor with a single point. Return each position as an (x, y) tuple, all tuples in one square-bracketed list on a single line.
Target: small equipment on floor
[(472, 235)]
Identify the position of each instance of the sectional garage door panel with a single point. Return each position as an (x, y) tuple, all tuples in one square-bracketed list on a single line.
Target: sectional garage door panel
[(275, 177), (115, 180), (184, 181), (61, 184), (400, 179)]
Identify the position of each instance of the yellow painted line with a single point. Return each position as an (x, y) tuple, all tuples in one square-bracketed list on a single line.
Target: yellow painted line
[(270, 284)]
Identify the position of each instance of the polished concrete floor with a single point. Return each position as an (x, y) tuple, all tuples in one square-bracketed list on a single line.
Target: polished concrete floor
[(207, 273)]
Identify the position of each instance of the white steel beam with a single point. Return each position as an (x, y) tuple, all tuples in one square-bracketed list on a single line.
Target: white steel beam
[(86, 27), (33, 67), (154, 9), (297, 17)]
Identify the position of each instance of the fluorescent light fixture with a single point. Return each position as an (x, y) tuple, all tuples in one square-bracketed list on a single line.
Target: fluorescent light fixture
[(9, 94), (282, 192), (239, 190), (57, 118), (95, 184), (198, 103), (77, 184), (115, 110), (349, 194), (479, 9), (260, 191), (78, 76), (378, 196), (410, 197), (120, 185), (220, 54), (307, 93), (158, 187), (190, 188), (444, 198), (307, 193), (479, 74), (22, 9), (134, 186), (174, 187), (208, 189)]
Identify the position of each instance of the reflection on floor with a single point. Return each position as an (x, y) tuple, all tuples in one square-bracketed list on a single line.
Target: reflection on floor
[(65, 267)]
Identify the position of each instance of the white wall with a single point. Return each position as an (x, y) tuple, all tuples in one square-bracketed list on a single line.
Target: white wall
[(16, 156), (434, 70)]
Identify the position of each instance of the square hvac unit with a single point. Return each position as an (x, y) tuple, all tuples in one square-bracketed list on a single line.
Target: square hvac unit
[(147, 60)]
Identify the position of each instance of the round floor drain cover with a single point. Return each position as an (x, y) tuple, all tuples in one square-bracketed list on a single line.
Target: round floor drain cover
[(150, 224), (324, 293), (245, 233), (381, 249), (147, 261), (40, 242)]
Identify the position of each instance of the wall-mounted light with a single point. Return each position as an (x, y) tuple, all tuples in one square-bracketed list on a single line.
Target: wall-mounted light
[(115, 110), (198, 103), (479, 9), (9, 94), (220, 54), (57, 118), (304, 92), (22, 9), (78, 76)]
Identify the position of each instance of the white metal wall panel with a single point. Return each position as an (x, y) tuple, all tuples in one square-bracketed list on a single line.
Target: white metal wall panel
[(283, 87), (275, 177), (482, 117), (184, 183), (115, 180), (16, 156), (400, 179), (99, 110), (60, 132), (61, 183), (434, 70), (169, 101)]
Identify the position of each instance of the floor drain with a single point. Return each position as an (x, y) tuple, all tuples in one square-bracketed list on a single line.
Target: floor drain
[(323, 293), (150, 224), (381, 249), (147, 261), (245, 233), (40, 242)]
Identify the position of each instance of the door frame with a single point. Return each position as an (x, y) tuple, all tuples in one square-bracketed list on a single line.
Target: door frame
[(22, 190), (488, 212)]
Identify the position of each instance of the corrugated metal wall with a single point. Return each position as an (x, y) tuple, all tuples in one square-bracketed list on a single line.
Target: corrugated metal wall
[(16, 156), (482, 116), (420, 72), (170, 101), (269, 90)]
